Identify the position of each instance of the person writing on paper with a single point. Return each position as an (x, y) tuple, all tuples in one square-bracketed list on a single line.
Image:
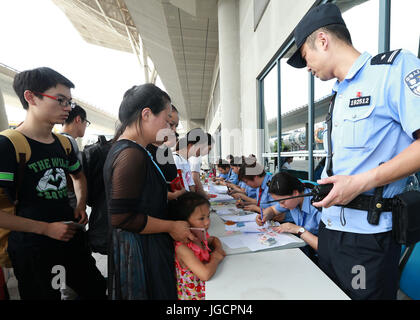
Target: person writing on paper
[(223, 167), (306, 217), (195, 262), (254, 175)]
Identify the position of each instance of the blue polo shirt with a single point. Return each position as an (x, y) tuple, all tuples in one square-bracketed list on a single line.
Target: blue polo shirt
[(373, 129)]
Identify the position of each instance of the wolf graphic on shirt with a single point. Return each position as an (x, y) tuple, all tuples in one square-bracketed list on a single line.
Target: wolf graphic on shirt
[(53, 183)]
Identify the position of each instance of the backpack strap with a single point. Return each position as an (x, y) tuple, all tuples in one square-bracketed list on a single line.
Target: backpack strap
[(20, 143), (23, 154), (65, 142)]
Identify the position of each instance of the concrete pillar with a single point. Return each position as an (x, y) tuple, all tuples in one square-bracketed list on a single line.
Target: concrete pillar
[(4, 122), (230, 85)]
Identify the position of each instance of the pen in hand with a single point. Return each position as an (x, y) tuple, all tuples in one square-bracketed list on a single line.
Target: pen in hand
[(261, 216)]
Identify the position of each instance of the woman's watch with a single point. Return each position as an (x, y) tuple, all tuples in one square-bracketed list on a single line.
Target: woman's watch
[(300, 231)]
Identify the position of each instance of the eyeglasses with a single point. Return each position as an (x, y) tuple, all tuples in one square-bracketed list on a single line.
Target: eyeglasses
[(87, 122), (64, 102)]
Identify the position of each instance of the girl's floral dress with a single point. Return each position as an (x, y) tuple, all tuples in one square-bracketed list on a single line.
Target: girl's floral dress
[(190, 287)]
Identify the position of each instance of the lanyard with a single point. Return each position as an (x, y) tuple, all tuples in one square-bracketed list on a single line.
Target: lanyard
[(151, 158), (160, 171)]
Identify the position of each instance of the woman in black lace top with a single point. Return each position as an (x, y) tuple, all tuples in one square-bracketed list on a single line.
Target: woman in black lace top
[(141, 253)]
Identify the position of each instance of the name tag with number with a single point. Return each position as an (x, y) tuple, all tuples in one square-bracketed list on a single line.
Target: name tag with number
[(358, 102)]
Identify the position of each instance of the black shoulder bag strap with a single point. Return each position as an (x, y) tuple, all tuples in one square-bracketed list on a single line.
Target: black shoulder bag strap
[(329, 129)]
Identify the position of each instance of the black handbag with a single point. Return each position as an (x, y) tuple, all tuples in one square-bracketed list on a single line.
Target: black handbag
[(406, 218)]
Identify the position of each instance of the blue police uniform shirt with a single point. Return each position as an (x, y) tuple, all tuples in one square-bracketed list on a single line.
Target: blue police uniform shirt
[(242, 184), (232, 177), (265, 197), (308, 216), (376, 113), (250, 192), (223, 175)]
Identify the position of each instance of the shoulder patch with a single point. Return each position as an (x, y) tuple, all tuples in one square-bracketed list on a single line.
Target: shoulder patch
[(385, 57), (412, 80)]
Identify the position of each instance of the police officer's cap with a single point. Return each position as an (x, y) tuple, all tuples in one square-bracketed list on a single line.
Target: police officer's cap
[(316, 18)]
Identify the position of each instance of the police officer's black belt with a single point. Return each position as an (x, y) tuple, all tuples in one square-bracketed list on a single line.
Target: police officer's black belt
[(365, 202)]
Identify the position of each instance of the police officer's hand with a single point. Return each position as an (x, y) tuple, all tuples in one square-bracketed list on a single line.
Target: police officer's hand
[(345, 189)]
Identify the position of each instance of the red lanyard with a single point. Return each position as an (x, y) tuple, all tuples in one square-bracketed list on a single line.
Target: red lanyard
[(259, 197)]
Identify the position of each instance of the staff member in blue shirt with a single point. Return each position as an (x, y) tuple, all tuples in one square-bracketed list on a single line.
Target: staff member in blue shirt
[(240, 186), (305, 217), (375, 120), (254, 175)]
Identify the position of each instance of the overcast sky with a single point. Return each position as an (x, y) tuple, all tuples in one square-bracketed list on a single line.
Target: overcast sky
[(37, 33)]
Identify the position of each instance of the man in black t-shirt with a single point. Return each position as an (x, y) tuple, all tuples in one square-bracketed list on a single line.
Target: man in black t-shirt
[(45, 252)]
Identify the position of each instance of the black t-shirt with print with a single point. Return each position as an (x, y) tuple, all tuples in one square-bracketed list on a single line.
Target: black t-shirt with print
[(43, 192)]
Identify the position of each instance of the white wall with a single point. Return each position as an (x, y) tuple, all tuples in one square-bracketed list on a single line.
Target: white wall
[(256, 50)]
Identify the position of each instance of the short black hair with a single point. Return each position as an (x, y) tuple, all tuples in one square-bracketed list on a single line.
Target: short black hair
[(38, 80), (223, 164), (283, 184), (74, 112), (340, 31), (186, 204)]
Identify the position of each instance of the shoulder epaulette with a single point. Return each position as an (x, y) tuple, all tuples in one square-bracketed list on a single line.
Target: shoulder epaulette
[(385, 57)]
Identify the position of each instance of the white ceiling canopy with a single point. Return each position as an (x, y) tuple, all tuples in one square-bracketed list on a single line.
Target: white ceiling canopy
[(180, 37)]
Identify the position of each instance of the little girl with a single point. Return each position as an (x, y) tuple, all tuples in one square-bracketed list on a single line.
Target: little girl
[(195, 262)]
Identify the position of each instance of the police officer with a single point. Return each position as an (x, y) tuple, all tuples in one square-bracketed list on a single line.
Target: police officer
[(375, 120)]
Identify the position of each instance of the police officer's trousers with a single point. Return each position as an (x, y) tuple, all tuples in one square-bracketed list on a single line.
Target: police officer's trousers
[(364, 266)]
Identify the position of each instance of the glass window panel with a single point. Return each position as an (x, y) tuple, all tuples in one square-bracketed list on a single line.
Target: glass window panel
[(294, 114), (405, 29), (270, 110)]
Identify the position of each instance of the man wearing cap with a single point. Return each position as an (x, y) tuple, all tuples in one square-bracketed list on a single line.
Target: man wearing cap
[(375, 141)]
